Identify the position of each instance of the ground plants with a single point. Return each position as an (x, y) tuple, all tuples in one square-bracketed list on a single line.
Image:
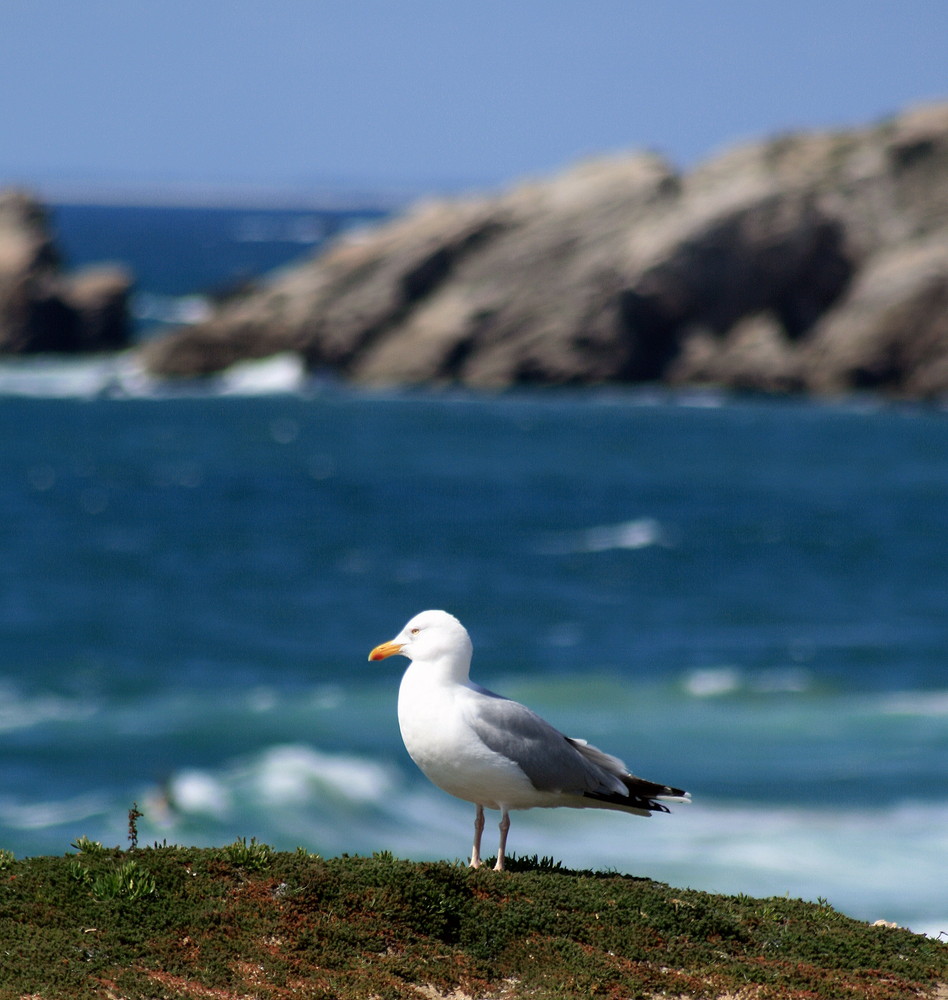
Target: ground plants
[(245, 920), (128, 880), (252, 857)]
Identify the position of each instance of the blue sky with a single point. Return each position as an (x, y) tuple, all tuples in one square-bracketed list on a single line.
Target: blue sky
[(422, 95)]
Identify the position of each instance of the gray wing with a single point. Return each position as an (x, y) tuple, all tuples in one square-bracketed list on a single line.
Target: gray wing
[(553, 762)]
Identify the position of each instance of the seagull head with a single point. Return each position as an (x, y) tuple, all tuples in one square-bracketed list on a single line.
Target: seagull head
[(430, 635)]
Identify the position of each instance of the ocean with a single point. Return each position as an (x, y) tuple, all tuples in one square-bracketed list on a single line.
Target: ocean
[(184, 257), (742, 597)]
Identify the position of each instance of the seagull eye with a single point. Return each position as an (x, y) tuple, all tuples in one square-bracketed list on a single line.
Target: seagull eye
[(415, 631)]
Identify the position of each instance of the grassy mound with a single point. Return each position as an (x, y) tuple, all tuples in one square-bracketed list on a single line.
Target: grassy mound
[(245, 921)]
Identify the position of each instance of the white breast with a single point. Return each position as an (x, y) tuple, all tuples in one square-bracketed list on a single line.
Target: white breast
[(441, 742)]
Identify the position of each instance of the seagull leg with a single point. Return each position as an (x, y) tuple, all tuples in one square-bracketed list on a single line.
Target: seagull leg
[(502, 846), (478, 830)]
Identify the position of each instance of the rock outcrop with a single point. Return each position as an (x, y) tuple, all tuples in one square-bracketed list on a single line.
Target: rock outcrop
[(811, 262), (42, 308)]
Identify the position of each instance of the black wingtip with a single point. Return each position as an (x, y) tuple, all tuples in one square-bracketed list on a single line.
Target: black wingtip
[(642, 795), (631, 802)]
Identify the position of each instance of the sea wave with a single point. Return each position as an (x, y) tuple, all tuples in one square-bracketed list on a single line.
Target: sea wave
[(40, 814), (291, 784), (19, 710), (53, 377), (281, 373), (170, 310), (121, 376), (933, 704), (638, 533), (712, 682)]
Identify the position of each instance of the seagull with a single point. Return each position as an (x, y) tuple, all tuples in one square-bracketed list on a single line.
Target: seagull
[(484, 748)]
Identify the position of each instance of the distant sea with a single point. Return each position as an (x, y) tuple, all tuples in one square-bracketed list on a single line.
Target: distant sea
[(183, 257), (747, 598)]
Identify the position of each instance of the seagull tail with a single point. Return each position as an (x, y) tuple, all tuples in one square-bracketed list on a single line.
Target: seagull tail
[(641, 796), (622, 790)]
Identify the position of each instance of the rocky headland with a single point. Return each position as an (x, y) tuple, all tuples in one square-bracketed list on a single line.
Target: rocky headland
[(812, 262), (44, 308)]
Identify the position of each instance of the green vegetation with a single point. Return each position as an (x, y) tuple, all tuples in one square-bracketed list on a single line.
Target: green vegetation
[(247, 921), (252, 857)]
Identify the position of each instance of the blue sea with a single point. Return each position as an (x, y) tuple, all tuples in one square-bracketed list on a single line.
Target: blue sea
[(186, 257), (747, 598)]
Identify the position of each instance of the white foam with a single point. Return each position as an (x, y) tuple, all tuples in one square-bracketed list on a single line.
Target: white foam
[(195, 791), (277, 374), (922, 703), (713, 682), (294, 774), (22, 711), (51, 813), (56, 377), (639, 533), (52, 378), (285, 790), (121, 376), (171, 309)]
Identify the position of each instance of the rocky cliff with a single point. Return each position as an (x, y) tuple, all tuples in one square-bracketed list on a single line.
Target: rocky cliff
[(809, 262), (42, 308)]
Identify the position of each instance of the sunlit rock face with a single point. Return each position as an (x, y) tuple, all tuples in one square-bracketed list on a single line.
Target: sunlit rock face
[(814, 262)]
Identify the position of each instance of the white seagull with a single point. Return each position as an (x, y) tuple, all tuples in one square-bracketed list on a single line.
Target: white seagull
[(494, 752)]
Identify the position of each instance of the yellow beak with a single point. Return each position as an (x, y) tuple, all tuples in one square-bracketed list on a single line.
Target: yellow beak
[(386, 649)]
